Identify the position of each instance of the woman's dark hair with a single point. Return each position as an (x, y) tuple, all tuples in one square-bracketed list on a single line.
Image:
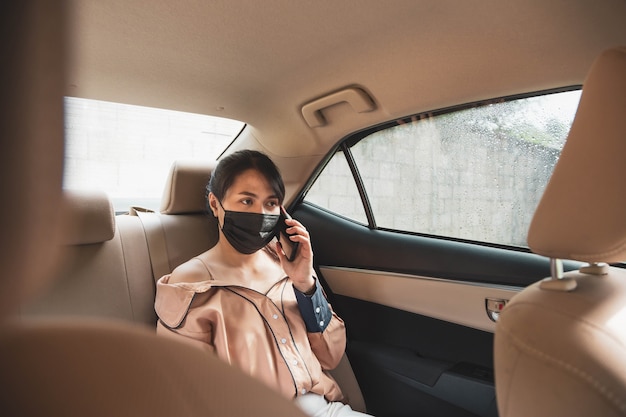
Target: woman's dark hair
[(234, 164)]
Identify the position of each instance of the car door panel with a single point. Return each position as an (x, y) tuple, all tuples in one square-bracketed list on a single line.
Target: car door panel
[(409, 364), (453, 301), (419, 338)]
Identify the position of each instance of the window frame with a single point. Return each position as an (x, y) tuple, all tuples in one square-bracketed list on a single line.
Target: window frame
[(352, 139)]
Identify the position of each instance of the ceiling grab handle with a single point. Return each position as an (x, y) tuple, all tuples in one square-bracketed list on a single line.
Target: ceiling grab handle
[(360, 101)]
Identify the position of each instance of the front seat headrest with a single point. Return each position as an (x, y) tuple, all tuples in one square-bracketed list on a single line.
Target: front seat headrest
[(581, 214)]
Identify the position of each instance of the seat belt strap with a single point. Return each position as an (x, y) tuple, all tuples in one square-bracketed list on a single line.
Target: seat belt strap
[(155, 236)]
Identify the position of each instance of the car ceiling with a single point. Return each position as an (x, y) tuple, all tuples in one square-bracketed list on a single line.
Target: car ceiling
[(261, 61)]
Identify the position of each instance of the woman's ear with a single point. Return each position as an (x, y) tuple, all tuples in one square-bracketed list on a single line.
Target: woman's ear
[(213, 203)]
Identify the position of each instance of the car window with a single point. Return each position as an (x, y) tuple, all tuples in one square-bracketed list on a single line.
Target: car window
[(336, 190), (127, 151), (475, 174)]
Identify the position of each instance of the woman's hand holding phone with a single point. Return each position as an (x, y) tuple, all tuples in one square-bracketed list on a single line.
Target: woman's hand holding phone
[(295, 254), (289, 247)]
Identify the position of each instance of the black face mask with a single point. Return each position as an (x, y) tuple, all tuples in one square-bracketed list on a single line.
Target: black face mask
[(248, 232)]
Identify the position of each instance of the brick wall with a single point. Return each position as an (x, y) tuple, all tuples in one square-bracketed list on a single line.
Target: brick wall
[(433, 179)]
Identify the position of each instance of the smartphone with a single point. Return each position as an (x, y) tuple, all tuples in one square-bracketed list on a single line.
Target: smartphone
[(289, 247)]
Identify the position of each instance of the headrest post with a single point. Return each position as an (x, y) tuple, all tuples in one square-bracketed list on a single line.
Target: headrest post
[(557, 282), (556, 268), (595, 268)]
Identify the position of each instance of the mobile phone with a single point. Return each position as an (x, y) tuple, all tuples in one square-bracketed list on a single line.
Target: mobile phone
[(289, 247)]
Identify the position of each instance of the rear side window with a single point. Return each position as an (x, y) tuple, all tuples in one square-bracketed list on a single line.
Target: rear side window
[(473, 174), (127, 151)]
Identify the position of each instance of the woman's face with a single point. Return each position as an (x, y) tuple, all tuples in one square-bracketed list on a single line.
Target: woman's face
[(250, 192)]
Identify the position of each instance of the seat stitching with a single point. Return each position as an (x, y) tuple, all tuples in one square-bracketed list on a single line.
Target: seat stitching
[(130, 298)]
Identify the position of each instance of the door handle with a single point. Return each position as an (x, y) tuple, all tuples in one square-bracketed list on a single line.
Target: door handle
[(494, 307)]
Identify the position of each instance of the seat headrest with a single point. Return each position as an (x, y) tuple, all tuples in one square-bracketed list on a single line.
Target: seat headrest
[(185, 187), (89, 216), (581, 215)]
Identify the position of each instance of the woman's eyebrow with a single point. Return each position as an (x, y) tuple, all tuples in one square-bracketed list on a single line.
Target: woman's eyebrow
[(247, 193), (251, 194)]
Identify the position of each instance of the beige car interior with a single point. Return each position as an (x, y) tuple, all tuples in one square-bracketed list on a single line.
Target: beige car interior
[(77, 324), (560, 345), (62, 366)]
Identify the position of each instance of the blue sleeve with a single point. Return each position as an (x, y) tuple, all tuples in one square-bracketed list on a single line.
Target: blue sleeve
[(314, 309)]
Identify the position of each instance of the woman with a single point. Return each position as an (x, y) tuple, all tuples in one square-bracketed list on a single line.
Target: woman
[(244, 301)]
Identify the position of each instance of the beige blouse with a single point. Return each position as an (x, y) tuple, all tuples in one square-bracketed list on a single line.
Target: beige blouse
[(263, 334)]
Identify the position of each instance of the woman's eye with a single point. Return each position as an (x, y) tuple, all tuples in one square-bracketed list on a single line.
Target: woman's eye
[(272, 203), (246, 201)]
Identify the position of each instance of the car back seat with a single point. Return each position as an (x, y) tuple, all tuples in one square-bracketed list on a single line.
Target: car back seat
[(182, 229), (95, 367), (105, 270), (113, 262)]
